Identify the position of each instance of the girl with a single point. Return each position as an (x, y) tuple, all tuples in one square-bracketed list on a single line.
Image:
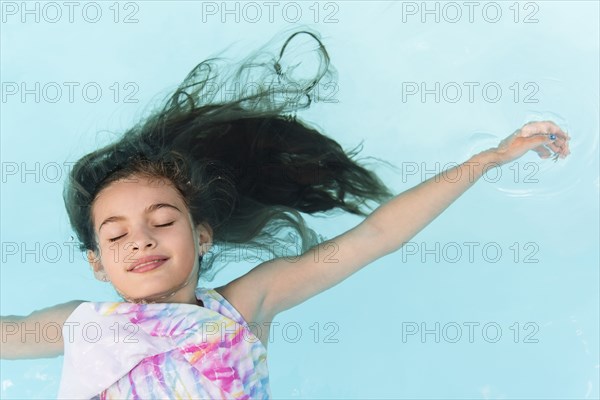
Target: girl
[(148, 208)]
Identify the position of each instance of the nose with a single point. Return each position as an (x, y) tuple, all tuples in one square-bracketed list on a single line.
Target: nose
[(138, 245), (143, 239)]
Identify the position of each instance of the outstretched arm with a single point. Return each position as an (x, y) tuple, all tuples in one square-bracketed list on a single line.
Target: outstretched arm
[(37, 335), (288, 282)]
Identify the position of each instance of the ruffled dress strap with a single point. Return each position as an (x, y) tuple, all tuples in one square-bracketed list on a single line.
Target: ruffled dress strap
[(213, 300)]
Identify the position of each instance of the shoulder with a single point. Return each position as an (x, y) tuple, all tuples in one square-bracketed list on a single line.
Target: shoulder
[(58, 313)]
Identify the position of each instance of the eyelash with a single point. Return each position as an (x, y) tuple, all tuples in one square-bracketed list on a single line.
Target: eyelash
[(158, 226)]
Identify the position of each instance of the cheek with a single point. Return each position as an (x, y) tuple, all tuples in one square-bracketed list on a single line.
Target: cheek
[(183, 246), (111, 253)]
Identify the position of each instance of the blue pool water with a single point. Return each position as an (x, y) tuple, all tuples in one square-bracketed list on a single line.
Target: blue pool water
[(504, 285)]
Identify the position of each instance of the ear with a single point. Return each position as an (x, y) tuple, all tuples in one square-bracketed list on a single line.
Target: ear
[(205, 235), (96, 265)]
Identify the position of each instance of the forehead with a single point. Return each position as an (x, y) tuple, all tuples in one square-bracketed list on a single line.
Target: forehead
[(134, 194)]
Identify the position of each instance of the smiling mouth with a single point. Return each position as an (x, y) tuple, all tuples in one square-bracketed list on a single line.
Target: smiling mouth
[(150, 265)]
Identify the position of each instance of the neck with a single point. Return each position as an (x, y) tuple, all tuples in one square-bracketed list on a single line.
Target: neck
[(161, 298)]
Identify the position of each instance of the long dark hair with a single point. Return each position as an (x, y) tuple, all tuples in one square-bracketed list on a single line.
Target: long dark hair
[(246, 166)]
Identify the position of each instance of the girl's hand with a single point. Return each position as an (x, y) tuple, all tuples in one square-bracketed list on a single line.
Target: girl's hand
[(539, 136)]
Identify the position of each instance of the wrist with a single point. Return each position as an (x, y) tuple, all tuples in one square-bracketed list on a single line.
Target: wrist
[(482, 162), (487, 158)]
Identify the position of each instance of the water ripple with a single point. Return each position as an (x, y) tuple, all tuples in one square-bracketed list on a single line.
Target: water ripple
[(531, 176)]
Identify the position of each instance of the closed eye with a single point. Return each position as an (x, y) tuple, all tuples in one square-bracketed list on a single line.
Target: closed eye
[(158, 226), (115, 239)]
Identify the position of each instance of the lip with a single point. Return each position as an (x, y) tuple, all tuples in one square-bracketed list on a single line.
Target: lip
[(151, 262)]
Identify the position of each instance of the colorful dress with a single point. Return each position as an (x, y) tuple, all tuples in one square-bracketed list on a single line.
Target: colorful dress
[(118, 350)]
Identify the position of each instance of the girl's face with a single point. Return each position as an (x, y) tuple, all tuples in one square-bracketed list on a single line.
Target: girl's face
[(142, 217)]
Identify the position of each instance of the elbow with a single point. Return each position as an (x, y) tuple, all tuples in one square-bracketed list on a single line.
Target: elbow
[(382, 242)]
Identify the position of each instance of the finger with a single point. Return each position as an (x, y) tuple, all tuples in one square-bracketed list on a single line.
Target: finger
[(555, 147), (535, 128), (559, 143), (565, 150), (560, 148), (563, 147)]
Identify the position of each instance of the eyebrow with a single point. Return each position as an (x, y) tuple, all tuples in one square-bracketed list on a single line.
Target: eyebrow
[(149, 209)]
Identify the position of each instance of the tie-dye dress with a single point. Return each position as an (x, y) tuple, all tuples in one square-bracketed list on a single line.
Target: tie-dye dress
[(118, 350)]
